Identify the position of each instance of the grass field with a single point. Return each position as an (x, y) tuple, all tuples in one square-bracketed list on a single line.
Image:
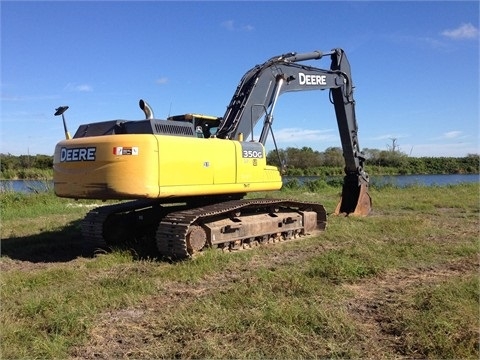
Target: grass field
[(401, 283)]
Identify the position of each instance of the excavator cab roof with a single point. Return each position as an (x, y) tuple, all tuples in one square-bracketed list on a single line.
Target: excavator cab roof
[(205, 125), (190, 117)]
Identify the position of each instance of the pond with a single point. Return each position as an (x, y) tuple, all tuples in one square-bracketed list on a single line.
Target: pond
[(26, 186), (406, 180), (426, 180), (35, 186)]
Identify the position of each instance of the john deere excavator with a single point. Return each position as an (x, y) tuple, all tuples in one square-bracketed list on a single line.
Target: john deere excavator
[(187, 176)]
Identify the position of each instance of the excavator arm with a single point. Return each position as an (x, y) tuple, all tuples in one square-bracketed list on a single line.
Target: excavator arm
[(258, 92)]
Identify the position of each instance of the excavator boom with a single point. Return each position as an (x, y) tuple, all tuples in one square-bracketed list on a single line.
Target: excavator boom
[(259, 90)]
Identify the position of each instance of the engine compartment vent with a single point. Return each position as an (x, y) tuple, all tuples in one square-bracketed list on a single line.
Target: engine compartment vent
[(153, 126), (173, 128)]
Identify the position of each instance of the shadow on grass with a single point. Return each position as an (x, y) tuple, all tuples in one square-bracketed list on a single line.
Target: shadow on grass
[(67, 244), (60, 245)]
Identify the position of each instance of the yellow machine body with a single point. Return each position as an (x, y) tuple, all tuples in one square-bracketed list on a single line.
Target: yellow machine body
[(134, 166)]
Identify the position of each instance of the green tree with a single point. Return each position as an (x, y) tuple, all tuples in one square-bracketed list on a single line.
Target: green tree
[(43, 162), (333, 156)]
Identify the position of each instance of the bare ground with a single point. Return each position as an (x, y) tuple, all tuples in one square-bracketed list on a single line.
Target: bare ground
[(371, 297)]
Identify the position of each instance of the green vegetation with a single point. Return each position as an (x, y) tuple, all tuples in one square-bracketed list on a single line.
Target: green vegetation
[(38, 167), (308, 162), (401, 283)]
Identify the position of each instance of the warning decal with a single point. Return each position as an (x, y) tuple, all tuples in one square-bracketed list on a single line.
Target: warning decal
[(122, 150)]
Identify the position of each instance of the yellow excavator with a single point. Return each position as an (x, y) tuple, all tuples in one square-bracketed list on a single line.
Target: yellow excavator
[(186, 177)]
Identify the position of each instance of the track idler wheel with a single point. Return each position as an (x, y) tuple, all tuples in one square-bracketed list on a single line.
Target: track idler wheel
[(196, 239), (355, 200)]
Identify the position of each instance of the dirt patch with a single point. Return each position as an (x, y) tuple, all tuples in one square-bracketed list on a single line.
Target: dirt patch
[(371, 297), (127, 332)]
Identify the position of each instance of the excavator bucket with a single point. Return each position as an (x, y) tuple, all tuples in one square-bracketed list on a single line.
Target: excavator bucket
[(355, 200)]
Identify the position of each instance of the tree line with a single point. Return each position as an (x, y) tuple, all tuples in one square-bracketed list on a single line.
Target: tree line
[(296, 162), (306, 161), (26, 166)]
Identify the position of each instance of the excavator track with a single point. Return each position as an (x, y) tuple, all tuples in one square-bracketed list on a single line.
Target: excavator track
[(182, 230), (93, 225), (174, 234)]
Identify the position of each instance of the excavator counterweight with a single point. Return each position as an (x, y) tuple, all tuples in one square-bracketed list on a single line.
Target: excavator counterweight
[(186, 177)]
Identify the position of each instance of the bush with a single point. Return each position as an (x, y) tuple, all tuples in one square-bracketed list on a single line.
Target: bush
[(292, 184), (316, 185)]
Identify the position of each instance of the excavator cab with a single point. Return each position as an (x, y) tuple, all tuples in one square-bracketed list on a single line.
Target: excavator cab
[(205, 125)]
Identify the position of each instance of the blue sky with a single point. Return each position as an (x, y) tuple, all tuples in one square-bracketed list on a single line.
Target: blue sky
[(415, 66)]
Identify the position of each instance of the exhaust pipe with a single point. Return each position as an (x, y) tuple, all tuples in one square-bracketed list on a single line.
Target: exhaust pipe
[(146, 109)]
